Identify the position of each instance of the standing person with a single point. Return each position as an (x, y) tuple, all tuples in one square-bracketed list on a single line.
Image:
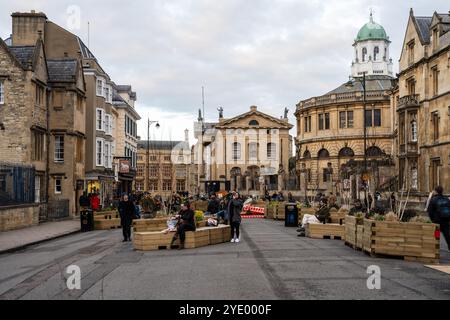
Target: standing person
[(235, 206), (393, 202), (291, 198), (213, 206), (439, 212), (95, 202), (127, 212), (187, 223)]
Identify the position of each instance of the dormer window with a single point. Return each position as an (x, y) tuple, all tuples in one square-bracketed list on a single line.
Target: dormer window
[(435, 38)]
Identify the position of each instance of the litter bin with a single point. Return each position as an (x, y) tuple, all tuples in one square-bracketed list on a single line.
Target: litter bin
[(291, 215), (87, 220)]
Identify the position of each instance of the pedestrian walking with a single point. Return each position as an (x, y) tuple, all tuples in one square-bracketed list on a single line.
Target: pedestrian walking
[(127, 212), (235, 209), (186, 223), (439, 212)]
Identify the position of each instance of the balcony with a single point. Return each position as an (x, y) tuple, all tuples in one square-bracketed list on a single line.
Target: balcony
[(409, 101), (410, 148)]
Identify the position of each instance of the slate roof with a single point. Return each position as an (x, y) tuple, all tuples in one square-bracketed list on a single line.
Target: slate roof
[(118, 99), (373, 83), (25, 54), (423, 27), (85, 52), (162, 144), (62, 70)]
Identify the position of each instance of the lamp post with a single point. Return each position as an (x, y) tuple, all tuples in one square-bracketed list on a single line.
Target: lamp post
[(149, 123), (350, 85)]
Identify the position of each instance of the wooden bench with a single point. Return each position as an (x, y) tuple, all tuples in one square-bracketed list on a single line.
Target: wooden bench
[(325, 231), (147, 241)]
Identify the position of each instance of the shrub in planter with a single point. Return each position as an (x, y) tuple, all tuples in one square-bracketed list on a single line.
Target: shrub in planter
[(199, 216)]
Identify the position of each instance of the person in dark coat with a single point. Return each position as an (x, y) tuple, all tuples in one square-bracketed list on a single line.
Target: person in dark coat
[(439, 213), (235, 209), (187, 223), (213, 206), (127, 212)]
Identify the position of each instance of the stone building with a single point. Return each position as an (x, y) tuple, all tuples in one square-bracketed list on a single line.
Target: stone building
[(423, 107), (126, 139), (43, 117), (163, 166), (330, 128), (249, 153)]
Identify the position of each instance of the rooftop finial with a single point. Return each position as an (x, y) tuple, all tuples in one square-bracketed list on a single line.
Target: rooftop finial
[(371, 15)]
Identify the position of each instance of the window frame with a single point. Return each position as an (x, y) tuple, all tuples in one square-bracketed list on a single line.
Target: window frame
[(57, 147), (99, 155), (101, 119), (100, 89), (2, 92), (236, 151), (271, 151), (60, 185)]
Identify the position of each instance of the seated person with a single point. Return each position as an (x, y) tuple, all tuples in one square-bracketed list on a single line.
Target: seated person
[(321, 216), (187, 223), (357, 207)]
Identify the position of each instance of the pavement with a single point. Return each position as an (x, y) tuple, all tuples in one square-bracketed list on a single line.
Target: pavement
[(17, 239), (270, 262)]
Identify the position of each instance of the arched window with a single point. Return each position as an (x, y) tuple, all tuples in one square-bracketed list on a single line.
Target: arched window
[(323, 154), (236, 152), (414, 131), (271, 151), (374, 152), (253, 123), (307, 154), (356, 54), (364, 54), (346, 152), (376, 53), (253, 151)]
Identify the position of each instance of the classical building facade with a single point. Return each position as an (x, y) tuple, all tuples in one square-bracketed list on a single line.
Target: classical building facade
[(423, 106), (248, 153), (163, 166), (330, 128)]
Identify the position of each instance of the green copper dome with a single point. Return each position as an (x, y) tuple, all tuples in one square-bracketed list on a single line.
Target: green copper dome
[(372, 31)]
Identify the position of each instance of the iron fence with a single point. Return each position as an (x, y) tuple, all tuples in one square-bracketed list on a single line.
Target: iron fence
[(17, 184)]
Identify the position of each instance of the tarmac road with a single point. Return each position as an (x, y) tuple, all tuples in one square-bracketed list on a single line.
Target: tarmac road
[(271, 262)]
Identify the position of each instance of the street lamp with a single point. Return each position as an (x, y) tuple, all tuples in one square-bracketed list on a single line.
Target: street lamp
[(349, 85), (149, 123)]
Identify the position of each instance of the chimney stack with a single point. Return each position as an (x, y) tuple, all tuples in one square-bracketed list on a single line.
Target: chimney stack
[(27, 28)]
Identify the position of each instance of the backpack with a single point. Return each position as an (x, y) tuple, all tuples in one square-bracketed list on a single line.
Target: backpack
[(443, 207)]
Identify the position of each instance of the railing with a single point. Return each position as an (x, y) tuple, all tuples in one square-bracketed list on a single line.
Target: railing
[(17, 184), (339, 98), (54, 210), (410, 100)]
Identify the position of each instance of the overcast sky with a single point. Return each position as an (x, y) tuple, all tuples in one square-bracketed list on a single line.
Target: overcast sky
[(269, 53)]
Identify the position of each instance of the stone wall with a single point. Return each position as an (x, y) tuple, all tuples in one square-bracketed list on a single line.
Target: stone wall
[(17, 217)]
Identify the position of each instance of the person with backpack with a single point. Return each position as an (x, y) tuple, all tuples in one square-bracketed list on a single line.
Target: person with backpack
[(439, 212)]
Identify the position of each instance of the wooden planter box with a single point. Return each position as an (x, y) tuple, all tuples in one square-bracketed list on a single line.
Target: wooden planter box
[(147, 241), (351, 224), (337, 217), (359, 236), (280, 213), (412, 241), (106, 224), (106, 215), (271, 211), (149, 225), (325, 231)]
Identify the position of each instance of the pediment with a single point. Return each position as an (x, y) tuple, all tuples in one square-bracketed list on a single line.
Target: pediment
[(254, 119)]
